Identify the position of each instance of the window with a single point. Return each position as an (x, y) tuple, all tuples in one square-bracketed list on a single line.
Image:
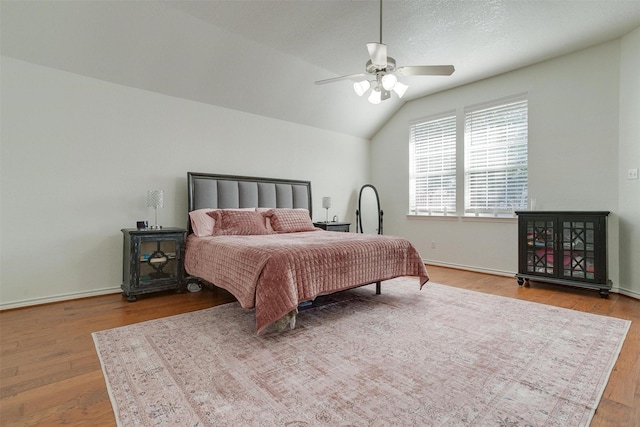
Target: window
[(432, 148), (494, 165)]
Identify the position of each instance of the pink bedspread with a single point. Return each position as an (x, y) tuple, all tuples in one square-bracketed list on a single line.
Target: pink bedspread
[(275, 272)]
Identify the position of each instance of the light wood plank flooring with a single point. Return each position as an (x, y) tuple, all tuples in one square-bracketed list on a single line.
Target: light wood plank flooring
[(50, 373)]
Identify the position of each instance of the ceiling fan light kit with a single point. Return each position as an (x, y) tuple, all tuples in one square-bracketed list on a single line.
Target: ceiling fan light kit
[(384, 72), (375, 97), (400, 89), (361, 87), (389, 81)]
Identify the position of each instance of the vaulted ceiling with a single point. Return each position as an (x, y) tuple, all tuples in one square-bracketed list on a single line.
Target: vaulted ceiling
[(263, 56)]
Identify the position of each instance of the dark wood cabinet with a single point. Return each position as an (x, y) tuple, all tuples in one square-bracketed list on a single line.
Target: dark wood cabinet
[(333, 226), (152, 260), (564, 247)]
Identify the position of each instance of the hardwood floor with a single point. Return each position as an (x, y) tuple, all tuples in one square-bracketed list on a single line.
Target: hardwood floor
[(50, 373)]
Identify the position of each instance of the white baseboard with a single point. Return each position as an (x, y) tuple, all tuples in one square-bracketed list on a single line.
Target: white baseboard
[(469, 268), (627, 292), (116, 290), (58, 298), (614, 289)]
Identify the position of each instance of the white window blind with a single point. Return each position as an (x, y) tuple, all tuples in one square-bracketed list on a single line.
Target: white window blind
[(496, 158), (432, 167)]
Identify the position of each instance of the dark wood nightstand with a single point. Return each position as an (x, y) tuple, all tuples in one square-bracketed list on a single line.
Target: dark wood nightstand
[(333, 226), (152, 260)]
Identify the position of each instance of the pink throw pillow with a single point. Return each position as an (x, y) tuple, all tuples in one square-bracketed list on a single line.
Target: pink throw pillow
[(267, 220), (238, 223), (290, 220), (203, 224)]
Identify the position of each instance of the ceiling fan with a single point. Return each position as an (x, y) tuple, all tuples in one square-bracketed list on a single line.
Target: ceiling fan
[(381, 73)]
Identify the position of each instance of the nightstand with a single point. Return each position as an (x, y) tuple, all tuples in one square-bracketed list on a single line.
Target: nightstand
[(152, 260), (333, 226)]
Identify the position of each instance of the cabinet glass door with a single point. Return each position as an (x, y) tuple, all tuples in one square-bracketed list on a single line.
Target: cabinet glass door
[(578, 249), (158, 260), (540, 248)]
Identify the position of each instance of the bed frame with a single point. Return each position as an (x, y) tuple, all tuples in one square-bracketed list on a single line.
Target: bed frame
[(215, 191)]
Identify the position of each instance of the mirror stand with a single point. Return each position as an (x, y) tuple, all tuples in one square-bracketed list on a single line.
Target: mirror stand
[(369, 207)]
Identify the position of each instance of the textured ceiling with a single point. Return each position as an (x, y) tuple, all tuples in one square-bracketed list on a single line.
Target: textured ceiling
[(263, 56)]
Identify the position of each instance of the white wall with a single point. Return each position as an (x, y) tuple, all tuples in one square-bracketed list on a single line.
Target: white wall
[(79, 154), (573, 158), (629, 158)]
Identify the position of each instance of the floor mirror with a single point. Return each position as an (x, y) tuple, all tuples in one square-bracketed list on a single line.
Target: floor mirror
[(369, 214)]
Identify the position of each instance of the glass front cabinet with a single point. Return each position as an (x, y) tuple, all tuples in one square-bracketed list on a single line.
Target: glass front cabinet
[(562, 247), (152, 260)]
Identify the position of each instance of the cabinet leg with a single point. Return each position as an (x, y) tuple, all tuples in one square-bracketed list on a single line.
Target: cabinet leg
[(132, 298), (604, 293), (520, 281)]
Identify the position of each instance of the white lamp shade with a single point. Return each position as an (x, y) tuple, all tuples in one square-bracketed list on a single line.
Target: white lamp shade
[(375, 97), (361, 87), (400, 89), (155, 198), (326, 202), (389, 81)]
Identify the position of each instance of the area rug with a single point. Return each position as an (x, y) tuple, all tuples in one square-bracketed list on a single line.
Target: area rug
[(440, 356)]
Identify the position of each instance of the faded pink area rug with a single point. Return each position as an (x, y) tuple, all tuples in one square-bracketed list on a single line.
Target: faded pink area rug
[(438, 357)]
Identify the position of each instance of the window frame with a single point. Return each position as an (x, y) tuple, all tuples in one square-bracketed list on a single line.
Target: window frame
[(449, 173), (459, 120), (506, 163)]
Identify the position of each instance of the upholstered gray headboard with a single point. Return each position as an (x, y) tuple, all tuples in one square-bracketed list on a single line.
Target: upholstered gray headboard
[(230, 191)]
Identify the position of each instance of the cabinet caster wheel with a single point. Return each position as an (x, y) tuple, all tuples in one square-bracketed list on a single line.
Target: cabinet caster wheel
[(520, 281), (194, 287)]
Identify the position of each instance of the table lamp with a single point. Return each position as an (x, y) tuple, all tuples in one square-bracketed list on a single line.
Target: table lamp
[(155, 199), (326, 204)]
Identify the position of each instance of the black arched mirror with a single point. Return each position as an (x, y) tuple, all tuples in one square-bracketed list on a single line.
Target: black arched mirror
[(369, 214)]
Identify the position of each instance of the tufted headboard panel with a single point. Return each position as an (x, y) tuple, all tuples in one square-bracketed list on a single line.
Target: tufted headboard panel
[(229, 191)]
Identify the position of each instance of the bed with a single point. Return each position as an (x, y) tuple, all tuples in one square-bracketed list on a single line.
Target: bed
[(254, 237)]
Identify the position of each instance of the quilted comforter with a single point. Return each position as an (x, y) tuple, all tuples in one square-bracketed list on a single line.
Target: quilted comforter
[(274, 273)]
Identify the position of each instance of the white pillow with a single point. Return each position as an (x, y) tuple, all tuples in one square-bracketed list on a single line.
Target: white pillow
[(201, 223)]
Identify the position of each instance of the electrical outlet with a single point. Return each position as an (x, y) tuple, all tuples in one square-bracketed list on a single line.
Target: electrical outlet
[(433, 244), (632, 173)]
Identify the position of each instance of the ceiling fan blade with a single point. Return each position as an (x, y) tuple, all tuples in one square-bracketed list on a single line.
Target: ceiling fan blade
[(378, 54), (354, 77), (426, 70)]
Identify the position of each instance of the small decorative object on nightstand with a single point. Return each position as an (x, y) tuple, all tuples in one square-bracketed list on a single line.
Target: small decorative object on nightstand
[(333, 226), (152, 260)]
